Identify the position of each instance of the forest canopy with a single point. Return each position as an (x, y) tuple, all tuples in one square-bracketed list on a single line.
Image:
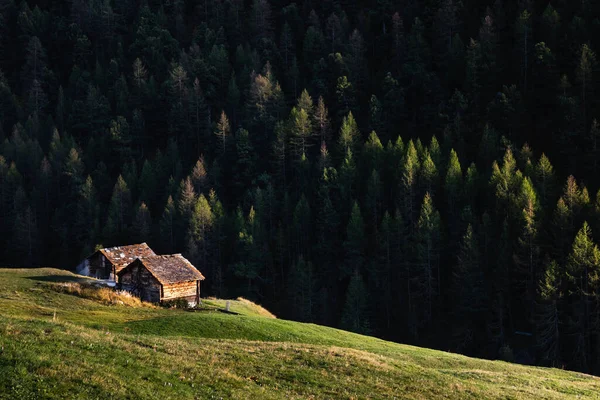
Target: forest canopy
[(424, 171)]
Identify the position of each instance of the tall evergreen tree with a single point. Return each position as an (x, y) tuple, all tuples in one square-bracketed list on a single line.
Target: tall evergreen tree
[(426, 272), (354, 315), (469, 289)]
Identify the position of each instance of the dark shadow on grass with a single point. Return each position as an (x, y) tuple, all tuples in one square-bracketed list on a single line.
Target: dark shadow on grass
[(210, 309), (59, 278)]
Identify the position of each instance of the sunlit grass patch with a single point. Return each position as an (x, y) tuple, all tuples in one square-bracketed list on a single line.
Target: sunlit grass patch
[(240, 306)]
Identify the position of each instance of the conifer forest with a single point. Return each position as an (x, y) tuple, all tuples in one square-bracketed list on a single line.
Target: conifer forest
[(424, 171)]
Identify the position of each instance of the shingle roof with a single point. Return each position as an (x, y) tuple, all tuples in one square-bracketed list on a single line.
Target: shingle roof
[(168, 269), (121, 256)]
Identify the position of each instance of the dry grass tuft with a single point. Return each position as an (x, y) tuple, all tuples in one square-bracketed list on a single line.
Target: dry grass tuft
[(104, 295)]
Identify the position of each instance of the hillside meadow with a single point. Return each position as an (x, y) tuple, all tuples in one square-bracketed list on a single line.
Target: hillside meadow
[(57, 345)]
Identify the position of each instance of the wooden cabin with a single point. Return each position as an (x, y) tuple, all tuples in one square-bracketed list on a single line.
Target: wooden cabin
[(162, 278), (106, 263)]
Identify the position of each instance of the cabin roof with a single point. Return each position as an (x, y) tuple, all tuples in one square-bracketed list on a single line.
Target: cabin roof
[(121, 256), (169, 269)]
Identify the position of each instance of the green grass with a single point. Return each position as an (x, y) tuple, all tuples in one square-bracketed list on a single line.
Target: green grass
[(57, 345)]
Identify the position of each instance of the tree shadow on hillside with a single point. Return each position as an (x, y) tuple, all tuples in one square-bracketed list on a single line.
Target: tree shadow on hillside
[(59, 278)]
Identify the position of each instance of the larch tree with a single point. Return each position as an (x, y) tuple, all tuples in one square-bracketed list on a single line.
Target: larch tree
[(373, 152), (199, 175), (453, 189), (199, 235), (544, 180), (426, 275), (349, 134), (223, 132), (582, 264), (301, 126), (429, 174), (408, 181), (528, 254), (321, 121), (548, 316)]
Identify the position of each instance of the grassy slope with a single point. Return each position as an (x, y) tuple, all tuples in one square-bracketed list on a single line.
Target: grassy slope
[(92, 350)]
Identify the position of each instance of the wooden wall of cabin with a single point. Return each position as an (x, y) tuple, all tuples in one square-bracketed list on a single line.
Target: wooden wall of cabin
[(188, 290), (139, 281), (99, 266)]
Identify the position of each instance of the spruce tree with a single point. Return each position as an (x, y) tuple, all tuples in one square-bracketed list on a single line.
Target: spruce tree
[(354, 245), (301, 290), (354, 314), (470, 292), (142, 225), (168, 226), (118, 223)]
